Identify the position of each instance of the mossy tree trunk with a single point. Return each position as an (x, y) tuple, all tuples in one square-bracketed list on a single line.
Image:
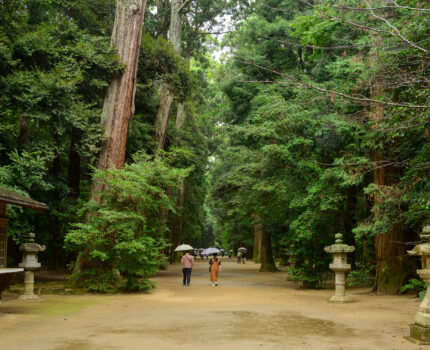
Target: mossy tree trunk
[(267, 260)]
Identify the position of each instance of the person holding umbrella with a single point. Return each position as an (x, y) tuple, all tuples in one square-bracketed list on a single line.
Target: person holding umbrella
[(215, 267), (241, 255), (214, 263), (187, 263)]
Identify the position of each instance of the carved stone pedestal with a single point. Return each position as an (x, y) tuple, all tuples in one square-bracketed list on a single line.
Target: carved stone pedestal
[(28, 287), (420, 331)]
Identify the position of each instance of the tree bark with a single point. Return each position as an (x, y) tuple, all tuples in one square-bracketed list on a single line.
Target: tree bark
[(177, 223), (118, 105), (74, 168), (23, 132), (256, 251), (392, 264), (267, 261), (166, 96)]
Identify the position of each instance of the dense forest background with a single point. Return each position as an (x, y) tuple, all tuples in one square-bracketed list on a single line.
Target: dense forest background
[(312, 120)]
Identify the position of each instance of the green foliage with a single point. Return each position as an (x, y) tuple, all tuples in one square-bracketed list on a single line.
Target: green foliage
[(302, 159), (121, 240), (415, 285)]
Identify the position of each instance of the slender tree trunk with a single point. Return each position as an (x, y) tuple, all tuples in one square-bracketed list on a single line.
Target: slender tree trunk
[(177, 222), (267, 261), (166, 96), (74, 169), (118, 105), (162, 119), (23, 132)]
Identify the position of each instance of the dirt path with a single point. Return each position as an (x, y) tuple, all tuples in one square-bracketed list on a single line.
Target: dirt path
[(249, 310)]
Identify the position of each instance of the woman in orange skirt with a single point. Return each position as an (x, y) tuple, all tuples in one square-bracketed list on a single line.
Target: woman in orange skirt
[(214, 269)]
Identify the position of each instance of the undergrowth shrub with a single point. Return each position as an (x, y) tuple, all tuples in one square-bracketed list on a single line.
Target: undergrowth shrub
[(121, 239)]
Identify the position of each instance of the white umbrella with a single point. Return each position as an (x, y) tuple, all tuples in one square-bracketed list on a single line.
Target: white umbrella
[(210, 251), (183, 248), (242, 249)]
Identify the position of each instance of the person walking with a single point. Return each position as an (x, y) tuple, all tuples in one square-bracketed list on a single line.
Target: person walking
[(187, 265), (230, 253), (215, 267), (243, 257), (239, 257)]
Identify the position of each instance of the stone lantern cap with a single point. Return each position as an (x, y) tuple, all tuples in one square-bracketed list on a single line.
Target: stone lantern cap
[(31, 246), (423, 248), (339, 246)]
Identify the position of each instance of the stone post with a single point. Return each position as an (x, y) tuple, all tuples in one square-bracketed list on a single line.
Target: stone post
[(420, 330), (30, 264), (340, 267)]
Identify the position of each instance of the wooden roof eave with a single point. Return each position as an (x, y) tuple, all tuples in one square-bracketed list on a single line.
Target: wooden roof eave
[(11, 197)]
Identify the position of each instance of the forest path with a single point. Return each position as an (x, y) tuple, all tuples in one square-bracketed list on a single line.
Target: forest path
[(249, 310)]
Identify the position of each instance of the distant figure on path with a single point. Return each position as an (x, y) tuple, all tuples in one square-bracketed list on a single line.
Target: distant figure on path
[(243, 257), (239, 257), (187, 265), (214, 269), (230, 253)]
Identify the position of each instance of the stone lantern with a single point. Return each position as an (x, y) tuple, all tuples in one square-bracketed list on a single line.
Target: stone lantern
[(340, 267), (30, 264), (420, 330)]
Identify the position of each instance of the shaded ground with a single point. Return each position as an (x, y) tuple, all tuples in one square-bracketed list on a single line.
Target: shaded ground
[(249, 310)]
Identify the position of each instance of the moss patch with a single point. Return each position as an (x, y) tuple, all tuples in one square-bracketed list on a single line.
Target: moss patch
[(58, 305)]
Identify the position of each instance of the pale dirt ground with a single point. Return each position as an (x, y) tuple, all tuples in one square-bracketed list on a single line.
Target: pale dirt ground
[(249, 310)]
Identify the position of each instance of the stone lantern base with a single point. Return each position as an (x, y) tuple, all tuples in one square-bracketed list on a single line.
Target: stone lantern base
[(340, 299), (28, 287), (419, 335)]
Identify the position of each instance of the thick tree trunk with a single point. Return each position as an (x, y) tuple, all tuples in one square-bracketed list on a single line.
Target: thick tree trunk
[(118, 105), (392, 264), (267, 261), (166, 96), (256, 251)]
